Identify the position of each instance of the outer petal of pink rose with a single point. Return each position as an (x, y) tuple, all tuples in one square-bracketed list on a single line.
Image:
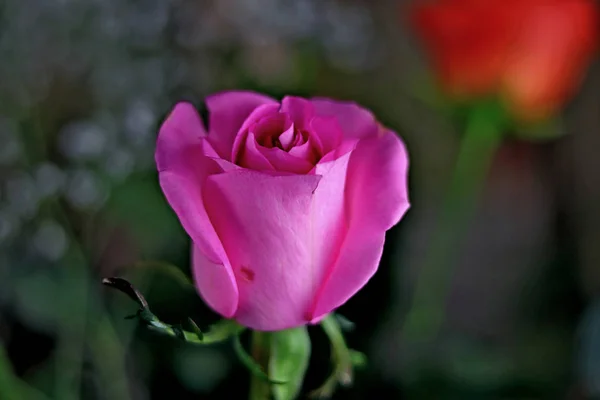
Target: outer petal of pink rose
[(264, 223), (215, 282), (183, 170), (376, 198), (208, 151), (328, 217), (356, 122), (227, 113), (180, 130)]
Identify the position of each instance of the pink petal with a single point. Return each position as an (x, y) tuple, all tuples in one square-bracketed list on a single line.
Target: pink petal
[(299, 110), (328, 131), (264, 223), (228, 111), (283, 161), (181, 129), (328, 220), (356, 122), (183, 170), (376, 198), (252, 157), (215, 283), (260, 113), (304, 151), (288, 137)]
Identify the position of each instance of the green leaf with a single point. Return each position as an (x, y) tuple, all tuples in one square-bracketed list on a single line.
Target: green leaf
[(290, 353), (345, 324), (218, 332)]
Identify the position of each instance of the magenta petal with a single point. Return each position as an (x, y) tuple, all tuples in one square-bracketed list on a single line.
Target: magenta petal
[(288, 137), (184, 196), (260, 113), (357, 263), (228, 111), (328, 131), (378, 176), (356, 122), (299, 110), (283, 161), (207, 149), (183, 169), (209, 152), (181, 129), (264, 223), (328, 217), (252, 157), (376, 198), (216, 284), (304, 152)]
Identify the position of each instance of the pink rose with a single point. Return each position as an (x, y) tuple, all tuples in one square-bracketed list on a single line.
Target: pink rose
[(287, 204)]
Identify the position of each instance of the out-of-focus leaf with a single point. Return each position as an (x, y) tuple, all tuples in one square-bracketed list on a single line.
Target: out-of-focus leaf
[(140, 205), (200, 368), (290, 354)]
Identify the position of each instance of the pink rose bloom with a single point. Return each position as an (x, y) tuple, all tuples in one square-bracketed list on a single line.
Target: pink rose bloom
[(287, 204)]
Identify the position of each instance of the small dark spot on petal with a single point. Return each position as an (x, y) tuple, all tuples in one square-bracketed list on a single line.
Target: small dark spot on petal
[(308, 316), (247, 274)]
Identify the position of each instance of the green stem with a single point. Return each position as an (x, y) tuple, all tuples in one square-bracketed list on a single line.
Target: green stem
[(108, 355), (479, 144), (71, 332), (261, 352)]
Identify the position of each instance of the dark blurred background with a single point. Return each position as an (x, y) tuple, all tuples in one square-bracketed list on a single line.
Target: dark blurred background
[(84, 85)]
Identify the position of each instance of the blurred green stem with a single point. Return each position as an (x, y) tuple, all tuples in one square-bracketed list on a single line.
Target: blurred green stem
[(481, 139), (260, 389), (106, 350), (71, 331), (109, 358)]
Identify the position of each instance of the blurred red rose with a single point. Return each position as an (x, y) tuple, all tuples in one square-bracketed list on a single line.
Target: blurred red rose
[(531, 52)]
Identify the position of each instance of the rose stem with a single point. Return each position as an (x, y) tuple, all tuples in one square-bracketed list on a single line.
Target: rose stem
[(481, 139), (261, 343)]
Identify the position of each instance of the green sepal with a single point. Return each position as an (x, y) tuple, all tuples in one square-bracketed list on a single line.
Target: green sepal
[(345, 324), (359, 360), (195, 329), (219, 332), (344, 360), (252, 365), (290, 354)]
